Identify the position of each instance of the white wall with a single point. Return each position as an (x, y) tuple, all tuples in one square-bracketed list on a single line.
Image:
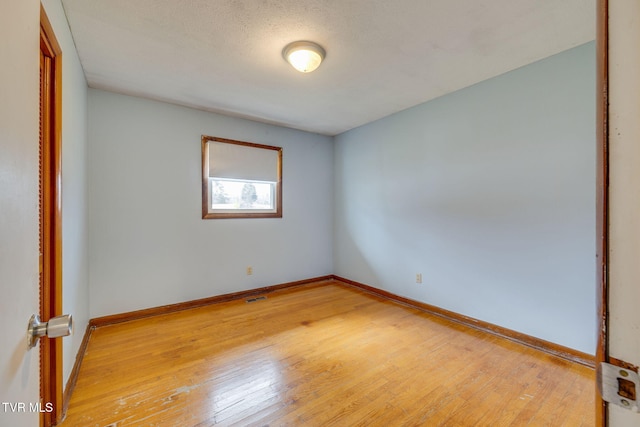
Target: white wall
[(19, 368), (148, 243), (75, 240), (489, 192)]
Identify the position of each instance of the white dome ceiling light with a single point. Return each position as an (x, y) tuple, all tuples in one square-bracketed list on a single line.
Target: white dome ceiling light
[(304, 56)]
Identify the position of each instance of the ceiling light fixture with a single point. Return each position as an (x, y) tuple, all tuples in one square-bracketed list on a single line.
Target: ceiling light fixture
[(304, 56)]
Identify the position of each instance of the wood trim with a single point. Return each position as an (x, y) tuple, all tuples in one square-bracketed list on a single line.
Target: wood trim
[(204, 177), (242, 143), (602, 195), (171, 308), (73, 377), (51, 222), (623, 364), (524, 339)]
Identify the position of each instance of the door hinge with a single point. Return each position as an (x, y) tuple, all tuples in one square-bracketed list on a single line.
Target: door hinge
[(619, 386)]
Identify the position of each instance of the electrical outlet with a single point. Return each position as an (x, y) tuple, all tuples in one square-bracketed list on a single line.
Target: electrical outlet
[(249, 271), (418, 277)]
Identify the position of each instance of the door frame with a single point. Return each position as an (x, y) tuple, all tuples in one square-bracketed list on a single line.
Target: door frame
[(50, 223), (602, 197)]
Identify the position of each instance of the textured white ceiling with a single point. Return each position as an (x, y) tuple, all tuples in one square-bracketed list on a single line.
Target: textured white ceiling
[(383, 56)]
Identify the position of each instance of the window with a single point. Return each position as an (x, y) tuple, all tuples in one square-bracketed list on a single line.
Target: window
[(240, 179)]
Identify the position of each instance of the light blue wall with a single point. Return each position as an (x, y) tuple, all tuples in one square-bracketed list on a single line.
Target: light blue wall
[(148, 243), (489, 192), (75, 240)]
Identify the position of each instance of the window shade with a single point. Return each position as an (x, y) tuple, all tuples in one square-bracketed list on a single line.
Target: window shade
[(233, 161)]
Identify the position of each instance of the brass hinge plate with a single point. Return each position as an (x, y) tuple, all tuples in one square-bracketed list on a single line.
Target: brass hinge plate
[(619, 386)]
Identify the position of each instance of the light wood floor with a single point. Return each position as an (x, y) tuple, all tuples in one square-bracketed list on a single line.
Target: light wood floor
[(320, 355)]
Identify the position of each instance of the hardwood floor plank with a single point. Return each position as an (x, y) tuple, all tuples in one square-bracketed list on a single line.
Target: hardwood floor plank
[(321, 354)]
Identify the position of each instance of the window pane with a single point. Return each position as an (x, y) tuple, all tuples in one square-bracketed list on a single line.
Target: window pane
[(227, 194)]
